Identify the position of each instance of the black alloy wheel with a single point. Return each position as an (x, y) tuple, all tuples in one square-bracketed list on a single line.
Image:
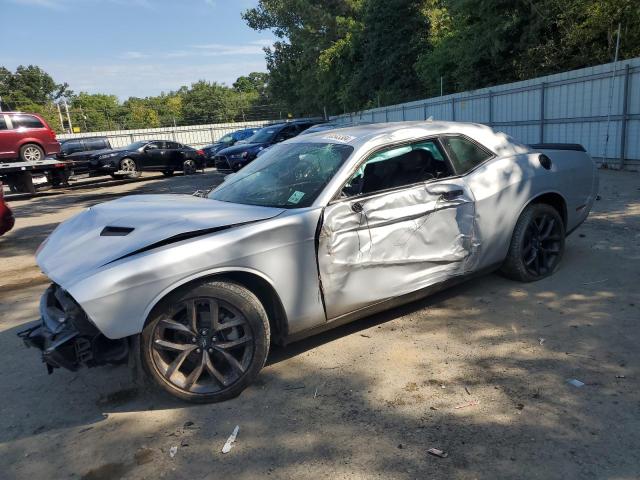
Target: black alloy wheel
[(537, 244), (208, 344)]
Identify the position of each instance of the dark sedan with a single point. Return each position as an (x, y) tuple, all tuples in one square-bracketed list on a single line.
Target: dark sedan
[(227, 140), (245, 151), (147, 155)]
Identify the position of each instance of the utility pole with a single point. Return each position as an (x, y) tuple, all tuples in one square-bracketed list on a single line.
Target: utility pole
[(0, 103), (66, 109), (611, 82)]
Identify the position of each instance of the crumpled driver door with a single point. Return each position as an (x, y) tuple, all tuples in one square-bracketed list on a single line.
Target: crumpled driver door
[(392, 243)]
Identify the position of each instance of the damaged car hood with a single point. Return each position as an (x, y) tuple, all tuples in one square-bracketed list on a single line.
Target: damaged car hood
[(109, 231)]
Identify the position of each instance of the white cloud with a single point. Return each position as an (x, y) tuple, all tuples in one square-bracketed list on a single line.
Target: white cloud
[(218, 49), (132, 55)]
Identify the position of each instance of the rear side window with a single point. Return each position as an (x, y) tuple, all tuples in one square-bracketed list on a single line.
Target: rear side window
[(95, 144), (26, 121), (465, 155), (173, 145), (3, 123), (72, 146)]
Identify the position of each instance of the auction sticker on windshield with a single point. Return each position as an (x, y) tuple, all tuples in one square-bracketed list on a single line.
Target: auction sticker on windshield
[(339, 138), (296, 197)]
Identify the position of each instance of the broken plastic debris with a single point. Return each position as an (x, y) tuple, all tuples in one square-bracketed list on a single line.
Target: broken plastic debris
[(230, 441), (438, 453), (172, 451), (620, 376), (541, 341), (470, 404), (575, 383)]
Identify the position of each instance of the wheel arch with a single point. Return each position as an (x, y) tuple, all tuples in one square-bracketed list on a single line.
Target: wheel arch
[(555, 200), (30, 141), (260, 285)]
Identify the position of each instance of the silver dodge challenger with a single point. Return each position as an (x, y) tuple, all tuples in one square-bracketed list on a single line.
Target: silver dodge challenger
[(321, 230)]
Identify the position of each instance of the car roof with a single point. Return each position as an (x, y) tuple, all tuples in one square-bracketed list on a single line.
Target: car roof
[(377, 134)]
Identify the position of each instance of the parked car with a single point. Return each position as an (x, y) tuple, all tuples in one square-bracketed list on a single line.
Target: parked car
[(321, 230), (7, 220), (26, 137), (146, 155), (245, 151), (227, 141)]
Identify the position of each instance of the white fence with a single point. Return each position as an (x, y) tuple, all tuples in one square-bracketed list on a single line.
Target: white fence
[(598, 107), (195, 136)]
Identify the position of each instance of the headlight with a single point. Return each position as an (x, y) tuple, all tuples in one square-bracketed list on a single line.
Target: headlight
[(244, 154), (107, 155)]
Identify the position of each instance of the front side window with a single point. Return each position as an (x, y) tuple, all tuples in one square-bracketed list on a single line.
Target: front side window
[(26, 121), (397, 167), (155, 145), (263, 135), (285, 176), (95, 144), (465, 154), (3, 123)]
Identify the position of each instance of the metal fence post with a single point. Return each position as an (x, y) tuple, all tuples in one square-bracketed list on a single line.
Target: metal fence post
[(542, 112), (490, 108), (453, 109), (403, 110), (425, 110), (386, 114), (625, 110)]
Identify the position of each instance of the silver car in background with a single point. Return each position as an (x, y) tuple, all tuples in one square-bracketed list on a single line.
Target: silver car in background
[(320, 230)]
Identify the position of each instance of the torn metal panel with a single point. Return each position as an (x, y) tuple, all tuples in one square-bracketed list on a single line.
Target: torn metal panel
[(386, 245)]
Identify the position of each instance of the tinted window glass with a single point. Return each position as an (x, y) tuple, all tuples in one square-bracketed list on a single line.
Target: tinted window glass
[(3, 123), (227, 139), (154, 145), (72, 146), (286, 176), (173, 145), (95, 144), (397, 167), (26, 121), (465, 155)]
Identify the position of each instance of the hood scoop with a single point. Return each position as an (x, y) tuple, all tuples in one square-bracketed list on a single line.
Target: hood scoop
[(110, 231)]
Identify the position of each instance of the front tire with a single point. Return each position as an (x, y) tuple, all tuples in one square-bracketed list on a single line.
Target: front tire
[(31, 153), (537, 244), (207, 343), (129, 168)]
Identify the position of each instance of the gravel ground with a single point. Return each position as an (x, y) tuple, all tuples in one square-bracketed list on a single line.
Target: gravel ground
[(479, 371)]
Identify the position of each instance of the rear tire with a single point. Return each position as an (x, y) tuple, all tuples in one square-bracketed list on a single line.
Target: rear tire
[(189, 167), (194, 356), (31, 153), (537, 244)]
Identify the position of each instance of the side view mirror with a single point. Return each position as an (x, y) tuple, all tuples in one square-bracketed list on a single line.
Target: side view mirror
[(447, 191)]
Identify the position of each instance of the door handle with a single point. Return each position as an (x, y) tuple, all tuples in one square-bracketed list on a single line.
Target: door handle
[(447, 191)]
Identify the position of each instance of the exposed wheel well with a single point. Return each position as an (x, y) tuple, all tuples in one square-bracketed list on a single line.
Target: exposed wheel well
[(556, 201), (261, 289)]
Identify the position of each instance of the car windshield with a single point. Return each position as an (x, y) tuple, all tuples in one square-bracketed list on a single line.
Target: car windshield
[(286, 176), (136, 145), (263, 135)]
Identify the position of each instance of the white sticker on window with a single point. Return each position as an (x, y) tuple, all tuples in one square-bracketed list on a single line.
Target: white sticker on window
[(296, 197), (339, 138)]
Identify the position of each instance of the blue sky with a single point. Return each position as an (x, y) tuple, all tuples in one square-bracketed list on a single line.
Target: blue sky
[(132, 47)]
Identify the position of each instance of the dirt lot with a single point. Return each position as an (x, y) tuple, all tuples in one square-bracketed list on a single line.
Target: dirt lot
[(479, 371)]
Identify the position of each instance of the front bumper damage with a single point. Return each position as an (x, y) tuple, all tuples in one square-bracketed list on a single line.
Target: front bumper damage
[(66, 336)]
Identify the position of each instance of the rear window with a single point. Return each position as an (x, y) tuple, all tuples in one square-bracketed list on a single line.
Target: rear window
[(465, 154), (26, 121)]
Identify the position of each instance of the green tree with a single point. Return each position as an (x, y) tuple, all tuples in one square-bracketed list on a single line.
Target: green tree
[(95, 112)]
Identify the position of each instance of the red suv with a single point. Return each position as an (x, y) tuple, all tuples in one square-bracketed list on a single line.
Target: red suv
[(26, 136)]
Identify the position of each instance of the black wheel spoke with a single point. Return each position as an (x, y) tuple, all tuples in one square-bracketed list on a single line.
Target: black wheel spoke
[(196, 373), (192, 315), (177, 363), (214, 315), (236, 322), (232, 361), (214, 372), (547, 231), (173, 325), (232, 343), (167, 345)]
